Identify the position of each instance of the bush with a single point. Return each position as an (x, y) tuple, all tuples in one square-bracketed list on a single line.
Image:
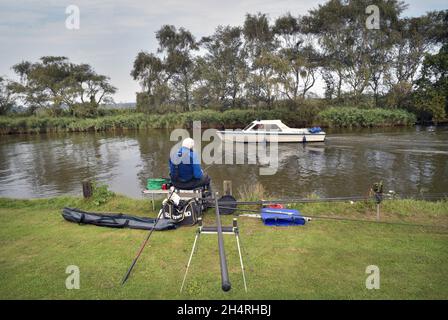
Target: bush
[(101, 194), (354, 117), (304, 115)]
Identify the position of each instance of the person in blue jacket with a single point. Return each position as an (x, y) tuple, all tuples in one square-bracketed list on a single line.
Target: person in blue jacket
[(185, 168)]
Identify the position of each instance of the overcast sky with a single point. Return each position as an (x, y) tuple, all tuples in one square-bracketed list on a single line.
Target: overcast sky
[(111, 33)]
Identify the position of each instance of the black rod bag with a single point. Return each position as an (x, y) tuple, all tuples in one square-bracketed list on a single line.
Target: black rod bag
[(116, 220)]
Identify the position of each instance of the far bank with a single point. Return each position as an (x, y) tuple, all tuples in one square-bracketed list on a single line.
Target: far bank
[(230, 119)]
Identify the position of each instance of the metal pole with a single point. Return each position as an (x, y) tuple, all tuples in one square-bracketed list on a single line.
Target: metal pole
[(189, 260)]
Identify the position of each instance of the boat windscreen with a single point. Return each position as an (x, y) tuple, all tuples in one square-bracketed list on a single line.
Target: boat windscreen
[(248, 126)]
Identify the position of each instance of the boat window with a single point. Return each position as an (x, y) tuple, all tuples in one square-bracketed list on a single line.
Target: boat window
[(272, 127), (259, 127)]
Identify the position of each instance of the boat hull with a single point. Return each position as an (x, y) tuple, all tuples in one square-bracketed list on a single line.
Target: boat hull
[(266, 137)]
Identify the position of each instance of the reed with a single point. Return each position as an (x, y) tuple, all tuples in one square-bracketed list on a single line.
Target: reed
[(236, 118), (355, 117)]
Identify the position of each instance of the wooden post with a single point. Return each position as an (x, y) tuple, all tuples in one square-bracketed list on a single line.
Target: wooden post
[(87, 188), (227, 187)]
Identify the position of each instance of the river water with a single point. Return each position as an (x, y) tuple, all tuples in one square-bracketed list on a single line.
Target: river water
[(409, 161)]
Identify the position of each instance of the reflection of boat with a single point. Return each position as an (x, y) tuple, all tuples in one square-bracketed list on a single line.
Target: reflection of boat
[(267, 130)]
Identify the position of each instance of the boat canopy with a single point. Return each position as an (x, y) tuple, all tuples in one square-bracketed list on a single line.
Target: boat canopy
[(268, 124)]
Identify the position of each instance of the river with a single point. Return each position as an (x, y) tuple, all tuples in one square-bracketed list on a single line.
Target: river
[(408, 160)]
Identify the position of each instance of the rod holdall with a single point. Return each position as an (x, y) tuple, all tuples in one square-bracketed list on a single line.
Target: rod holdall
[(186, 212)]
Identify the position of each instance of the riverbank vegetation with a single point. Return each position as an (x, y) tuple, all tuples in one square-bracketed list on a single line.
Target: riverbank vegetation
[(324, 259), (54, 85), (332, 117), (268, 66), (266, 62)]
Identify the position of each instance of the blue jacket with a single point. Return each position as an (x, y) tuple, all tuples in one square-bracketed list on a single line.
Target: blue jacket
[(187, 163)]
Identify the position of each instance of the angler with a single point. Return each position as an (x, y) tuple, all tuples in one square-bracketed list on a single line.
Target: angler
[(185, 168)]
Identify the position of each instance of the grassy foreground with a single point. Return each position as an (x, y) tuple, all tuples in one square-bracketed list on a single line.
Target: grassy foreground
[(322, 260)]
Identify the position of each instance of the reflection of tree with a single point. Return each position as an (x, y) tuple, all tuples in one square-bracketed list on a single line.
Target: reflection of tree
[(420, 171), (155, 147)]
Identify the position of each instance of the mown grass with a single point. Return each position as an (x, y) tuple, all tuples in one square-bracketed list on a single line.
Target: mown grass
[(339, 117), (322, 260)]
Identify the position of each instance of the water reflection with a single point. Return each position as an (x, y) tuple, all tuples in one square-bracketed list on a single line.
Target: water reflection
[(408, 160)]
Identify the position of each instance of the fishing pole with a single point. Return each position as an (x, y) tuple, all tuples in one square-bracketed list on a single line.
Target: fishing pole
[(225, 282), (333, 199), (126, 276), (295, 200), (344, 219)]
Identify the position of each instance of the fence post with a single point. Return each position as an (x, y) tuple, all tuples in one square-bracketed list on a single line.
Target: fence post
[(87, 188)]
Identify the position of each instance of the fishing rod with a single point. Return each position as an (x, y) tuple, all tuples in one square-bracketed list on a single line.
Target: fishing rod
[(333, 199), (225, 282), (338, 218), (128, 273), (293, 200)]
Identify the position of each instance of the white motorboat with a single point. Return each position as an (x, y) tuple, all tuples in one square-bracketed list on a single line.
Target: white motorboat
[(272, 130)]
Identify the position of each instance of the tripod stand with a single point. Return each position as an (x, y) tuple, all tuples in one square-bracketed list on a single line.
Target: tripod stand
[(213, 230)]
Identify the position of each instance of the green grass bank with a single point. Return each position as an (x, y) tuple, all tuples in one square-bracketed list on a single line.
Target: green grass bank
[(324, 259), (312, 116)]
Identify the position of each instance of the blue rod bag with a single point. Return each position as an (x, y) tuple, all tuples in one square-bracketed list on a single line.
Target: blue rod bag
[(281, 217)]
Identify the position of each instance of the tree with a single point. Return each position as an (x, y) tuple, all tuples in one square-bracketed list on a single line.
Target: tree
[(411, 39), (7, 99), (260, 45), (262, 84), (35, 87), (261, 62), (148, 70), (178, 45), (91, 88), (54, 82), (380, 44), (223, 67), (290, 65), (326, 24), (298, 62), (352, 52), (431, 95)]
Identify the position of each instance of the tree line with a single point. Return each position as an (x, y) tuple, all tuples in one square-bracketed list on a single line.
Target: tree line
[(265, 63), (55, 86)]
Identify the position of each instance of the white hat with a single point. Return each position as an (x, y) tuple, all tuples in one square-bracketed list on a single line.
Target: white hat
[(188, 143)]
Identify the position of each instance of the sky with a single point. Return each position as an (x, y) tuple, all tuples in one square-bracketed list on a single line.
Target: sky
[(111, 33)]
